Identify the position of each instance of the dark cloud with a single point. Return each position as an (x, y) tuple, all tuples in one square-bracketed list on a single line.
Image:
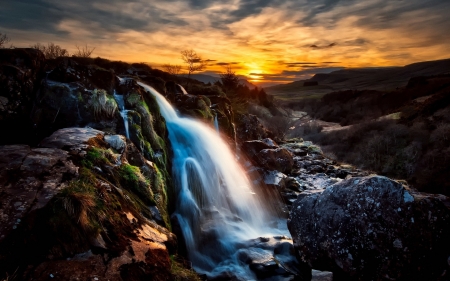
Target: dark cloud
[(96, 15), (299, 63), (311, 71), (226, 63), (315, 47)]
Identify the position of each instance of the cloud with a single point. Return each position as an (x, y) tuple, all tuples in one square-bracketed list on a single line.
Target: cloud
[(315, 47), (270, 35)]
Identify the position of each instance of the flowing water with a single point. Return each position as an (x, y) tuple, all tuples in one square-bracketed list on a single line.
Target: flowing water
[(123, 112), (216, 206), (216, 124)]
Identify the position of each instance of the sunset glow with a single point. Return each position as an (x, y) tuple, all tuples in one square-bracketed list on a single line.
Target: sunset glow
[(268, 41)]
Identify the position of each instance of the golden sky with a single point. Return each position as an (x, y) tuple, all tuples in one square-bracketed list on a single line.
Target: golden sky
[(272, 41)]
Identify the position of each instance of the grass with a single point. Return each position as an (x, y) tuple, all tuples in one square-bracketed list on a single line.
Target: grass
[(180, 270)]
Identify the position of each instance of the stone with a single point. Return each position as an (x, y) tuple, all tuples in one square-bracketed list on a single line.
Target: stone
[(253, 147), (248, 127), (72, 138), (118, 142), (372, 228), (279, 159)]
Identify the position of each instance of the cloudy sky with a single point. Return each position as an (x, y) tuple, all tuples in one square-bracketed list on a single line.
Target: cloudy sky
[(270, 40)]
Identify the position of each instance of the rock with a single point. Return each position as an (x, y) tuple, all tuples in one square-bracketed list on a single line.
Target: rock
[(251, 148), (117, 142), (71, 138), (372, 228), (69, 201), (29, 179), (20, 73), (279, 159), (321, 275), (248, 127)]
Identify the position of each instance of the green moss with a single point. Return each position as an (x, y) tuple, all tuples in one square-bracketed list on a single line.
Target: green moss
[(133, 99), (80, 97), (132, 179), (97, 157), (102, 104), (180, 271)]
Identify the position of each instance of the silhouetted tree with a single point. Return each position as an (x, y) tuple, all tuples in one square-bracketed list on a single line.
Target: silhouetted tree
[(51, 51), (84, 52), (193, 61), (173, 69), (3, 40), (230, 81)]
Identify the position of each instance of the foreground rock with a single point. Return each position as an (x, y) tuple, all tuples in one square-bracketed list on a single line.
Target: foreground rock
[(76, 209), (372, 228)]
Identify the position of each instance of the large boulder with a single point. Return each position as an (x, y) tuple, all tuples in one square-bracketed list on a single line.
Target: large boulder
[(372, 228)]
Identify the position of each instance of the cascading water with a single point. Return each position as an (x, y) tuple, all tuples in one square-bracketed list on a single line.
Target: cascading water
[(216, 208), (216, 124), (123, 112)]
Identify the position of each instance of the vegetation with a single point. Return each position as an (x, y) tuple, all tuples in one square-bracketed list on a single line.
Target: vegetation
[(193, 61), (411, 143), (173, 69), (180, 270), (4, 39), (102, 104), (84, 51), (230, 81), (51, 51)]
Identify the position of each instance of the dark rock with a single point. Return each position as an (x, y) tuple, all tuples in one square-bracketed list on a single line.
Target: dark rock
[(253, 147), (372, 228), (279, 159), (21, 71), (248, 127), (72, 138)]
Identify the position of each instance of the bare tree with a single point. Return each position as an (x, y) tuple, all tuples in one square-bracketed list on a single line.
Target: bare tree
[(84, 52), (173, 69), (51, 51), (230, 81), (194, 62), (3, 40)]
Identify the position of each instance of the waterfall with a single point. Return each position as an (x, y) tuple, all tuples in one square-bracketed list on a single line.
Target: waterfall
[(183, 90), (216, 124), (216, 207), (123, 112)]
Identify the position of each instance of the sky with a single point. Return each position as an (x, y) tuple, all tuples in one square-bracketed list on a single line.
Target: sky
[(268, 41)]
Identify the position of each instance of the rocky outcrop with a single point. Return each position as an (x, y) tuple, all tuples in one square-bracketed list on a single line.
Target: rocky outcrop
[(372, 228), (249, 128), (21, 71), (82, 210)]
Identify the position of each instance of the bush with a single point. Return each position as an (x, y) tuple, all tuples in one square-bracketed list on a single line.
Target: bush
[(51, 51)]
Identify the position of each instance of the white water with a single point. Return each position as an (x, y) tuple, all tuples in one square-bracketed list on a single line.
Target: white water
[(123, 112), (183, 89), (216, 207)]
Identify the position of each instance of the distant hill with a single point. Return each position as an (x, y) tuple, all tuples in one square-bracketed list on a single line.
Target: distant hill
[(212, 79), (382, 79)]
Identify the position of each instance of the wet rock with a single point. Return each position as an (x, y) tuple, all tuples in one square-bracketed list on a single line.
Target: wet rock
[(372, 228)]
